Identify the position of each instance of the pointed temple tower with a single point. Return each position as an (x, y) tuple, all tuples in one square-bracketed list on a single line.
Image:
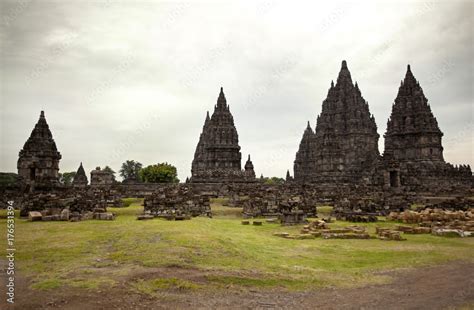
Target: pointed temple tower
[(344, 146), (80, 179), (249, 172), (303, 165), (38, 162), (217, 158), (412, 130), (413, 151)]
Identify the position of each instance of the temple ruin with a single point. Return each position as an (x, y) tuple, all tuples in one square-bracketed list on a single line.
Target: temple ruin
[(343, 149), (100, 177), (80, 179), (413, 153), (38, 161), (337, 164)]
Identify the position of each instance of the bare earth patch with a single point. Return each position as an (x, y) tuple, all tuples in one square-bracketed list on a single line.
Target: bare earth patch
[(436, 287)]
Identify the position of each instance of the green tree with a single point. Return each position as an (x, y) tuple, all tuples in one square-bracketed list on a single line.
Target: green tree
[(66, 178), (112, 172), (8, 179), (159, 173), (273, 181), (130, 170)]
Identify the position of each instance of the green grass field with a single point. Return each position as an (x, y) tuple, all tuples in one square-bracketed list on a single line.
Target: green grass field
[(96, 254)]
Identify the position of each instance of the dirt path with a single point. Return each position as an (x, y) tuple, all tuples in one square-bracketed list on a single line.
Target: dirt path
[(439, 287)]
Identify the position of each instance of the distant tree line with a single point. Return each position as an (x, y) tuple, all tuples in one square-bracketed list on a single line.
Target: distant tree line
[(132, 170), (273, 180)]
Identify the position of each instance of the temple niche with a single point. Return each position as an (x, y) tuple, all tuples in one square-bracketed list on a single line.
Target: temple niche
[(38, 162), (344, 146), (413, 153), (217, 157)]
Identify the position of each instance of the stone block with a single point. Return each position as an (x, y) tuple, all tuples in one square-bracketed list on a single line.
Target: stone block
[(47, 218), (281, 234), (35, 216)]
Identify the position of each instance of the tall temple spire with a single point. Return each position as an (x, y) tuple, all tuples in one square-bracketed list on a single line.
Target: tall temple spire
[(409, 80), (344, 75), (301, 164), (217, 157), (345, 141), (207, 119), (412, 121), (221, 101)]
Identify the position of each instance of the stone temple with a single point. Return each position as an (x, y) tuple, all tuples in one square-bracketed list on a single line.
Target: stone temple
[(344, 146), (38, 162), (413, 151), (343, 149), (80, 179), (217, 158), (100, 177)]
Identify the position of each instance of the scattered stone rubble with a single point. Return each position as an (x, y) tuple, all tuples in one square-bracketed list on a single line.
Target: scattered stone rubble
[(66, 215), (293, 217), (65, 206), (356, 217), (320, 228), (291, 204), (429, 221), (176, 202), (436, 221), (429, 216), (389, 234)]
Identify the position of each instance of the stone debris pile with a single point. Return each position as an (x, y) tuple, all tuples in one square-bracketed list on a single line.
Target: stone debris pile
[(65, 206), (414, 230), (430, 215), (436, 221), (67, 215), (293, 217), (176, 202), (388, 234), (277, 201), (455, 204), (320, 228), (356, 217), (350, 232)]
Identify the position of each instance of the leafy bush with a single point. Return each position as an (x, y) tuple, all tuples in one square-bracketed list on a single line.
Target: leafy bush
[(159, 173)]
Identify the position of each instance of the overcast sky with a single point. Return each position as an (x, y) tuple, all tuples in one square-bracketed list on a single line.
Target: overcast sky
[(130, 79)]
